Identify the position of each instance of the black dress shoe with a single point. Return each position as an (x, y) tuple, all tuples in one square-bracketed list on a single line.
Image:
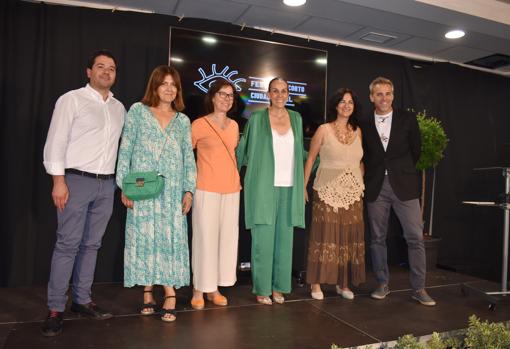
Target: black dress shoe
[(91, 310), (53, 324)]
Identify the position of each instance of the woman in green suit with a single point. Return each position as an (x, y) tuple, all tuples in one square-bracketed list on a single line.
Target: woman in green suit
[(271, 148)]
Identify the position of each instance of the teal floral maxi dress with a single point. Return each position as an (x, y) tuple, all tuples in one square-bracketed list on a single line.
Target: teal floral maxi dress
[(156, 248)]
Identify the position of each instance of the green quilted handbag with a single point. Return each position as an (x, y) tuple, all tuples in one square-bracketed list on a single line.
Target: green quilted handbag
[(143, 185)]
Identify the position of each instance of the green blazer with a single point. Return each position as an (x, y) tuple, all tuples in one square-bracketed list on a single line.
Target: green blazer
[(255, 151)]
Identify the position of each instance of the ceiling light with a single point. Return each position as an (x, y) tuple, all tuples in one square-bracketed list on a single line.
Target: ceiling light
[(321, 61), (454, 34), (176, 59), (209, 39), (294, 2)]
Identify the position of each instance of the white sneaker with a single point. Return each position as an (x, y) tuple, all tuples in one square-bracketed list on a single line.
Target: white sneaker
[(346, 294)]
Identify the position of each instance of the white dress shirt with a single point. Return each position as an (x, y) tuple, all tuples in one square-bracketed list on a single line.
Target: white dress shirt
[(383, 126), (283, 150), (84, 133)]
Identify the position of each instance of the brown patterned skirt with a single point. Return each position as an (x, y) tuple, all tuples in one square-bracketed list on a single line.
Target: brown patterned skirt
[(336, 248)]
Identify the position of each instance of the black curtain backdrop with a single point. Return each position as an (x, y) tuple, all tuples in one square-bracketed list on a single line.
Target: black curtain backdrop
[(43, 51)]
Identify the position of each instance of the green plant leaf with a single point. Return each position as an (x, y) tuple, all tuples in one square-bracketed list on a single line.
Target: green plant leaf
[(433, 140)]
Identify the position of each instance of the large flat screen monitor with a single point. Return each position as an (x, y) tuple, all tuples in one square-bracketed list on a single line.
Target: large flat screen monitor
[(249, 64)]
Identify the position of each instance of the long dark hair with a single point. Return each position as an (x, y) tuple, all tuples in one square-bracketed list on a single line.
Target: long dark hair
[(333, 103)]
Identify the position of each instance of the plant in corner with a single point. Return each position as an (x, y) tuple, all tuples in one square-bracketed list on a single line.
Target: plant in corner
[(433, 144), (479, 335), (487, 335)]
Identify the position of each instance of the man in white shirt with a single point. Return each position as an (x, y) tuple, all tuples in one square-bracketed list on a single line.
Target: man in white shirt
[(80, 155), (392, 146)]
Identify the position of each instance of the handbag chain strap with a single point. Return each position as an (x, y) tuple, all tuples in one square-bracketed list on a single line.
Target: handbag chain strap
[(221, 139)]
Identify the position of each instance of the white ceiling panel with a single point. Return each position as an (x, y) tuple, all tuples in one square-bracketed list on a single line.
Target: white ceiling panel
[(218, 10), (422, 46), (486, 42), (271, 18), (373, 32), (461, 54), (163, 7), (418, 28), (445, 16), (327, 28)]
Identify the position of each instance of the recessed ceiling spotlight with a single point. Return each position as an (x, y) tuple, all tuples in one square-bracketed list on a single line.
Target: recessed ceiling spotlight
[(294, 3), (454, 34)]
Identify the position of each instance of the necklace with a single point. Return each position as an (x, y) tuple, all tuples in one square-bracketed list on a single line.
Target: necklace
[(344, 134)]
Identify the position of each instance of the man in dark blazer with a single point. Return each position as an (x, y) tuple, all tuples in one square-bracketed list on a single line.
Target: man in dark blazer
[(391, 144)]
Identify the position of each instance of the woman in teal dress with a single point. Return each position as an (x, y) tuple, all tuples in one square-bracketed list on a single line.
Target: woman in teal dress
[(157, 136)]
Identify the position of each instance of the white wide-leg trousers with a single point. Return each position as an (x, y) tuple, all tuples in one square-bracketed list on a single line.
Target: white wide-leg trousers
[(215, 238)]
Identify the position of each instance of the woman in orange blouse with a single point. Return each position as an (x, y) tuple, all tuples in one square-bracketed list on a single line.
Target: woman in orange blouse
[(216, 208)]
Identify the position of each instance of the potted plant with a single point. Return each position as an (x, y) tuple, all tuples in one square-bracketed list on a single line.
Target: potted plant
[(433, 144)]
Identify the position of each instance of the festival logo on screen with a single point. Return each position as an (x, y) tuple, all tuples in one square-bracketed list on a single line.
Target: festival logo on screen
[(257, 86), (207, 80)]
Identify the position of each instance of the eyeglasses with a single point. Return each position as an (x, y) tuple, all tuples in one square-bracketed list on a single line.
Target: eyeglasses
[(351, 102), (225, 95)]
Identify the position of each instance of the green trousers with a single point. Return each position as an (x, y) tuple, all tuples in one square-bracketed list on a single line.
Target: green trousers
[(271, 249)]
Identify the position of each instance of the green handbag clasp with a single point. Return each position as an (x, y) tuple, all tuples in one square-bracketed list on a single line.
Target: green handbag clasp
[(140, 182)]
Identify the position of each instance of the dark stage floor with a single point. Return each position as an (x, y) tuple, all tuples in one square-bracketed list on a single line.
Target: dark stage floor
[(299, 323)]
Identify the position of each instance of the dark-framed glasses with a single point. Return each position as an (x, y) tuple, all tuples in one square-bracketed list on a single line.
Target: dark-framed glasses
[(225, 95)]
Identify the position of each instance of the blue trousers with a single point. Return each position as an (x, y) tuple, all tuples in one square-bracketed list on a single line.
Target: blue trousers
[(81, 226)]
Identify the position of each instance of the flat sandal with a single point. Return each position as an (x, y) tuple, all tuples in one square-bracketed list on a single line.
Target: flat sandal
[(264, 300)]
